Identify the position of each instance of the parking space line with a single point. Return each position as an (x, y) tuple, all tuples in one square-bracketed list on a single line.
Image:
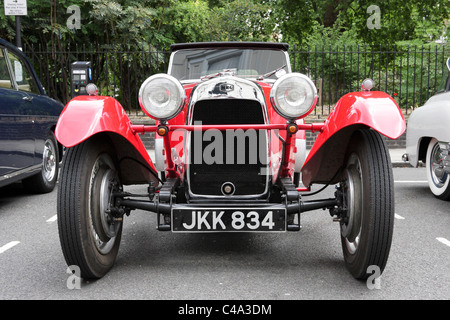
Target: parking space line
[(444, 241), (8, 246), (397, 216), (52, 219)]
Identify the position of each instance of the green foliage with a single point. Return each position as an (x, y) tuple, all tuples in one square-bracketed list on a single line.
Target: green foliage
[(123, 22), (230, 20), (337, 49), (331, 39), (298, 19), (190, 21), (330, 58), (416, 72), (409, 72), (399, 19), (243, 20)]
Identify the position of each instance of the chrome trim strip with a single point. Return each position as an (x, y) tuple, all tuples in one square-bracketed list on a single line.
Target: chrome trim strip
[(20, 174)]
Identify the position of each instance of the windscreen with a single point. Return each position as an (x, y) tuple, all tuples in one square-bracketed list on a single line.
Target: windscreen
[(192, 64)]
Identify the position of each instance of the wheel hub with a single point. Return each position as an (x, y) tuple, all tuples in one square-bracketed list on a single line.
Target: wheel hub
[(105, 225), (437, 167), (351, 219), (49, 161), (109, 223), (350, 195)]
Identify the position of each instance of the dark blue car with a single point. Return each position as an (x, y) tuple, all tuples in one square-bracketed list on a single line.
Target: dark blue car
[(28, 148)]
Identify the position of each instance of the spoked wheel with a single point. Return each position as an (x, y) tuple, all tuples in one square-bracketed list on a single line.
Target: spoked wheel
[(89, 234), (438, 179), (368, 196)]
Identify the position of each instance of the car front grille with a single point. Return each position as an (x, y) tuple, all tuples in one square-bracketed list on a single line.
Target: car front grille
[(233, 158)]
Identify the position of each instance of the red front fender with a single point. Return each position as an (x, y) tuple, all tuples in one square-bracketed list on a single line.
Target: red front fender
[(376, 110), (86, 116)]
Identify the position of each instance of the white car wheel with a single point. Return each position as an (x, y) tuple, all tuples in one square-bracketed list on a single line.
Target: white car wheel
[(439, 186)]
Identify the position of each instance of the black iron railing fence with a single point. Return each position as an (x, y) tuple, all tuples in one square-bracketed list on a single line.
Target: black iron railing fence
[(118, 71), (410, 73)]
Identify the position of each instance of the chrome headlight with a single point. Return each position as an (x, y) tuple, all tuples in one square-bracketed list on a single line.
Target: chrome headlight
[(293, 95), (161, 96)]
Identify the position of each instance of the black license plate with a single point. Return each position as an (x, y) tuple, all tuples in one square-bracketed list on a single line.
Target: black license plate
[(228, 219)]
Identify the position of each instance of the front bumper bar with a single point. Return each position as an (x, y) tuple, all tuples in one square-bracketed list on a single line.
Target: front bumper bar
[(291, 209)]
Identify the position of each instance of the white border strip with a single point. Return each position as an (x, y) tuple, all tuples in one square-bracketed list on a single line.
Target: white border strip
[(444, 241), (397, 216), (52, 219), (8, 246)]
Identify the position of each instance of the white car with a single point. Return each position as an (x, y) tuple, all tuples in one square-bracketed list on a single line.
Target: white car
[(428, 138)]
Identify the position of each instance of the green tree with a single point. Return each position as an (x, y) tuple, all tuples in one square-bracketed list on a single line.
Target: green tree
[(299, 19), (226, 20), (399, 19), (188, 21), (119, 25), (244, 20)]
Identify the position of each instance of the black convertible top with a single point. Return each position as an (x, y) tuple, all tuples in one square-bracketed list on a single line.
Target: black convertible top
[(230, 44)]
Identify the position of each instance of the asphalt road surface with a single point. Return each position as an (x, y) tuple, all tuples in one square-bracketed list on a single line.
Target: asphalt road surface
[(289, 266)]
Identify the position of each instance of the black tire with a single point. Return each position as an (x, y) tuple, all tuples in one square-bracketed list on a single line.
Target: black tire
[(439, 183), (45, 180), (366, 233), (89, 236)]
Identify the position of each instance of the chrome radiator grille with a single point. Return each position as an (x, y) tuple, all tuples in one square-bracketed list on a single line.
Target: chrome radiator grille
[(230, 162)]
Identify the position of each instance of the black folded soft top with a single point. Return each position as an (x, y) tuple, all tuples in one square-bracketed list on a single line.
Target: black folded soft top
[(230, 44)]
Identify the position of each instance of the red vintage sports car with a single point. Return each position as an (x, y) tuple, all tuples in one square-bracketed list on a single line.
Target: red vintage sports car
[(230, 156)]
